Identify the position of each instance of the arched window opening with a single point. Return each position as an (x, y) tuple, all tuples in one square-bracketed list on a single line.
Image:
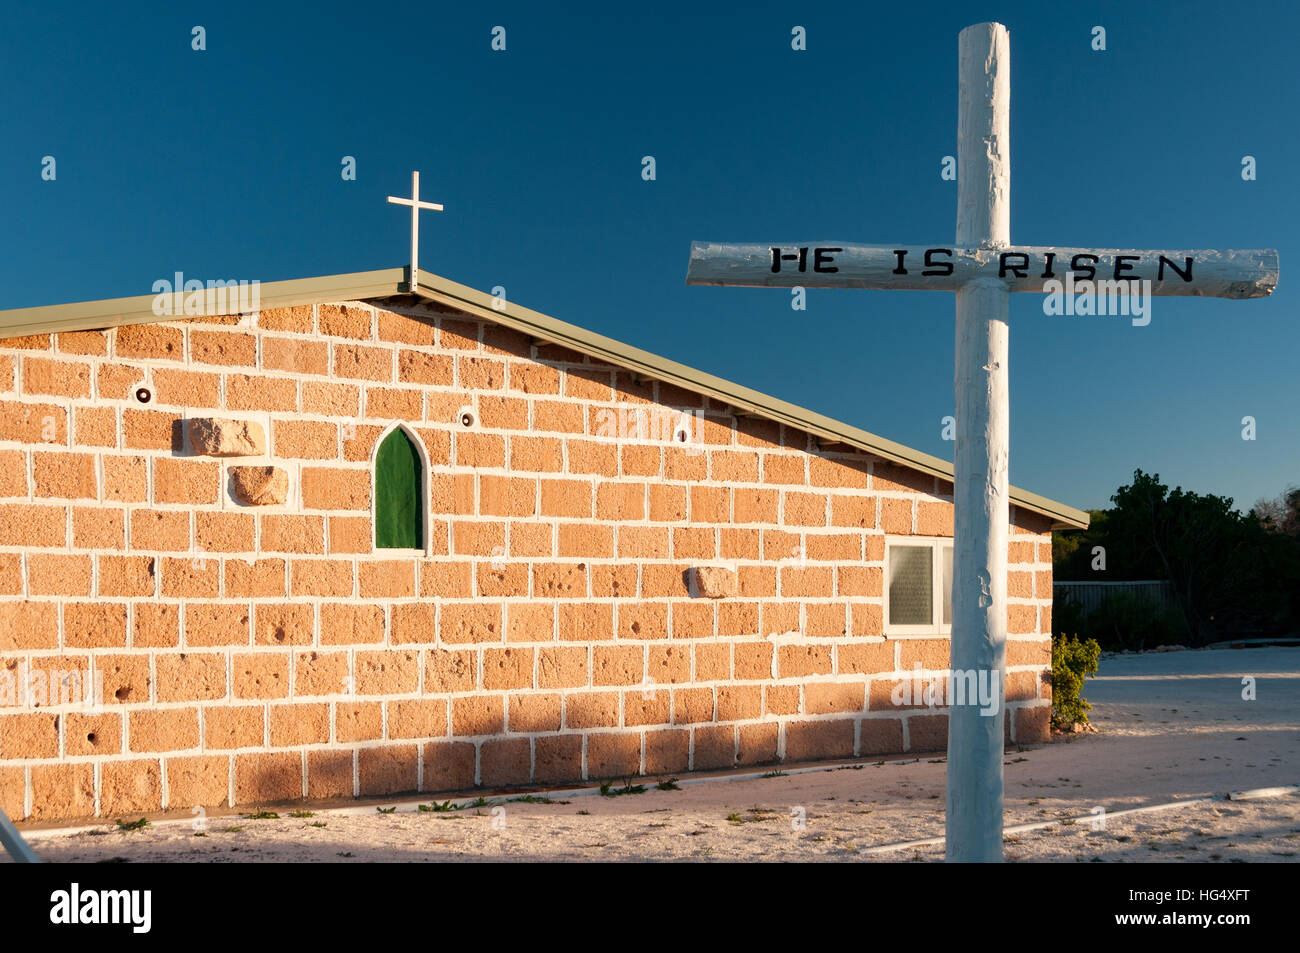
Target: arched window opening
[(399, 493)]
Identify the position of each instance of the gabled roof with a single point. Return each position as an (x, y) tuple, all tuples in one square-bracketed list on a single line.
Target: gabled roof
[(360, 286)]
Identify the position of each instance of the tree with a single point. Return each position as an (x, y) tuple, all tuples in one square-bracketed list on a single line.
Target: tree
[(1221, 565), (1280, 514)]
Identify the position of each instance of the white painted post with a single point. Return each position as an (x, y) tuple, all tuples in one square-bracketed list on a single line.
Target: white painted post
[(980, 495), (13, 842)]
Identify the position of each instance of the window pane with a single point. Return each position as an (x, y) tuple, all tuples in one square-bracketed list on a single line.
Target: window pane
[(399, 510), (947, 585), (911, 585)]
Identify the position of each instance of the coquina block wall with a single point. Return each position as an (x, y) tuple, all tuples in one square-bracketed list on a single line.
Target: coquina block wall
[(553, 631)]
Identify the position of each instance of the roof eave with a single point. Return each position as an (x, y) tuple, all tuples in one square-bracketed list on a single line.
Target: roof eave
[(116, 312), (449, 293), (388, 282)]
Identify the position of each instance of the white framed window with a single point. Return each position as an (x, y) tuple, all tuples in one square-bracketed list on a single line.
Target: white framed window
[(918, 585)]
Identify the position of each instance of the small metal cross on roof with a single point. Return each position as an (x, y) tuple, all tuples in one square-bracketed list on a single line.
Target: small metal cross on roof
[(416, 205)]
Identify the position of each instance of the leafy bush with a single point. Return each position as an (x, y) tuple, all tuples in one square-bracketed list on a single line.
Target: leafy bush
[(1073, 660)]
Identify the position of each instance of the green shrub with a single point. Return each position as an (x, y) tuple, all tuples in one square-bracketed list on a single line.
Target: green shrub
[(1073, 660)]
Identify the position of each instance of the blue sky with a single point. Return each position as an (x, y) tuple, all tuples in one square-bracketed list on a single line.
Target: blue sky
[(225, 163)]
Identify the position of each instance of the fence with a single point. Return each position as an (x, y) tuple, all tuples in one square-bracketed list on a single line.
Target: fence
[(1091, 595)]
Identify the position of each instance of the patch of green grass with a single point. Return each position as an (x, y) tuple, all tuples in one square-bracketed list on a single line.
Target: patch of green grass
[(132, 825), (669, 785), (608, 790), (316, 824), (535, 799), (263, 816), (387, 810), (302, 813)]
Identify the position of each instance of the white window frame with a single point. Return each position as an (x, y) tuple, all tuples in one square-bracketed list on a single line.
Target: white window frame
[(937, 544)]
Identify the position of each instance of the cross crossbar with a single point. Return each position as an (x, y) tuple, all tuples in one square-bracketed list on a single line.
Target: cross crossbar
[(1206, 273)]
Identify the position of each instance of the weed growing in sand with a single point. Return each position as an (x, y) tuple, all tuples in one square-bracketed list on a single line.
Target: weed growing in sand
[(608, 790), (132, 825), (756, 814), (232, 830), (302, 813), (669, 785), (263, 816), (535, 799), (387, 810), (438, 807), (775, 774), (316, 824)]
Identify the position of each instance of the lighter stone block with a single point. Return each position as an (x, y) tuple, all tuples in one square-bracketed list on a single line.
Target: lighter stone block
[(715, 582), (216, 437), (259, 486)]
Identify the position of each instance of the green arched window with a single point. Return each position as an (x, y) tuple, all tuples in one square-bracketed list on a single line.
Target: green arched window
[(399, 493)]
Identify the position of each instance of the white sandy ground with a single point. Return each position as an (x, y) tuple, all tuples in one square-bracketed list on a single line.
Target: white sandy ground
[(1173, 727)]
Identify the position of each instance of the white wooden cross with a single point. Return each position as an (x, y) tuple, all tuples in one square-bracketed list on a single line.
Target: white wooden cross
[(982, 267), (416, 205)]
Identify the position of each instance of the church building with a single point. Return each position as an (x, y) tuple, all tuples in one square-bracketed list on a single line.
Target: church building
[(365, 539)]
